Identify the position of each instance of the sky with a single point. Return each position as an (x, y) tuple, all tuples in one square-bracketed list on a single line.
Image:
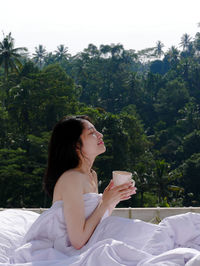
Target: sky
[(136, 24)]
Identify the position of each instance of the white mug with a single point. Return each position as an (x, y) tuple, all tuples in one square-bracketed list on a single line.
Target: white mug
[(121, 177)]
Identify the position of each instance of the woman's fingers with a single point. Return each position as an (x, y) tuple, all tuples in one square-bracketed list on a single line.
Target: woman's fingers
[(134, 190), (128, 192), (126, 188), (124, 191), (125, 198), (114, 194), (123, 186), (111, 184)]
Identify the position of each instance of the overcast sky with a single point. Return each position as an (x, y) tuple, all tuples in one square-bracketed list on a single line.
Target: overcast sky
[(137, 24)]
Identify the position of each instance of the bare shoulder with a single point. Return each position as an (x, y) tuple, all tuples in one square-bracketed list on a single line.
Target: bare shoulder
[(70, 176), (69, 182)]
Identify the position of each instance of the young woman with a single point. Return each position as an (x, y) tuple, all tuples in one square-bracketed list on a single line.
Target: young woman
[(78, 231), (74, 145)]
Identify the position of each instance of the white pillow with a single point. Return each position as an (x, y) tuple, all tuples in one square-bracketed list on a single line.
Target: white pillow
[(13, 226)]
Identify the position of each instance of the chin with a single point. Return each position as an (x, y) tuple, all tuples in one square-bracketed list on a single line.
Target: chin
[(102, 150)]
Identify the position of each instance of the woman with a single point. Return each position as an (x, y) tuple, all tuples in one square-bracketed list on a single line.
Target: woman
[(77, 230), (74, 145)]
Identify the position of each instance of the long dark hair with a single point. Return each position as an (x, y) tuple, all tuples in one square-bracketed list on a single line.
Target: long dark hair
[(62, 154)]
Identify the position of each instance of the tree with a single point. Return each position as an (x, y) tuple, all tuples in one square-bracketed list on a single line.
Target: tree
[(10, 56), (145, 54), (21, 174), (172, 97), (158, 49), (185, 41), (190, 142), (3, 127), (105, 50), (172, 56), (190, 118), (40, 100), (190, 180), (92, 51), (49, 59), (39, 55), (197, 42), (62, 53), (158, 67), (161, 179), (103, 77), (117, 50)]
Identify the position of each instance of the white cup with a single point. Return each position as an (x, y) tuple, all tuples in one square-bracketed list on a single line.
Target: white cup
[(121, 177)]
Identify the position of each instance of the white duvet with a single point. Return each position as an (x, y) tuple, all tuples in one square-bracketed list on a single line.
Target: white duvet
[(27, 238)]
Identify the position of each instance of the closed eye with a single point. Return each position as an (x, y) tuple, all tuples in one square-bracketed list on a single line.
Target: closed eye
[(92, 130)]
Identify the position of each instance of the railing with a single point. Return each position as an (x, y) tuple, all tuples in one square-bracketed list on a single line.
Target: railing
[(153, 215)]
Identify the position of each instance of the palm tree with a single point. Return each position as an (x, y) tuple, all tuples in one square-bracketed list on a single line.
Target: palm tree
[(173, 55), (197, 42), (158, 49), (39, 55), (49, 59), (10, 56), (161, 179), (61, 52), (185, 41)]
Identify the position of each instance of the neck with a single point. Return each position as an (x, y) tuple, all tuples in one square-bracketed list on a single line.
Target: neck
[(85, 167)]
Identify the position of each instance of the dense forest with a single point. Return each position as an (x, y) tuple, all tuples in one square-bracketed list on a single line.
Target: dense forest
[(146, 104)]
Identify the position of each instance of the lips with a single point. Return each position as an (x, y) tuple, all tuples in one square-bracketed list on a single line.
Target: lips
[(101, 142)]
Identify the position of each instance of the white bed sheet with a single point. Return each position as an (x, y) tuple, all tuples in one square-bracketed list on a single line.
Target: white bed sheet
[(13, 226), (116, 241)]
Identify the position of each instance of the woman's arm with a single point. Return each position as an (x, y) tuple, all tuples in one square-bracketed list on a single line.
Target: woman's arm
[(80, 229)]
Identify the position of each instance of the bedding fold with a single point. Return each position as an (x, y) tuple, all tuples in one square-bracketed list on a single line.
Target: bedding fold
[(116, 241)]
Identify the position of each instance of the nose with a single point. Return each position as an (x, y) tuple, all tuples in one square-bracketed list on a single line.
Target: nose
[(99, 134)]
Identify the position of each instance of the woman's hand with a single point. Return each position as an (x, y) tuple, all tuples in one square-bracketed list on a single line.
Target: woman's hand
[(114, 194)]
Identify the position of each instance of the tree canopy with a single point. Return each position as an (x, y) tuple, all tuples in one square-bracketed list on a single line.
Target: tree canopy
[(146, 104)]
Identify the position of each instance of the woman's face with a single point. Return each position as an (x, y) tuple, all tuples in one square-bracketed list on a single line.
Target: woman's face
[(92, 141)]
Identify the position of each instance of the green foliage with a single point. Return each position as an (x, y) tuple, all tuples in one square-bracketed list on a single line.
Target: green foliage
[(18, 187), (3, 126), (190, 143), (190, 179), (10, 56), (39, 55), (38, 101), (145, 103), (170, 99)]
